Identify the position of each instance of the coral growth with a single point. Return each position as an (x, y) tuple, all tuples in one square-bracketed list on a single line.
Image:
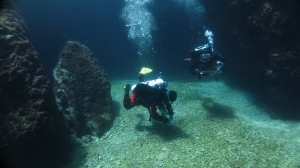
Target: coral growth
[(269, 20), (286, 65)]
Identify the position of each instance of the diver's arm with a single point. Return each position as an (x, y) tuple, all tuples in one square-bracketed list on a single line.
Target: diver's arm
[(170, 109), (194, 69), (218, 57), (156, 116), (218, 63), (128, 102)]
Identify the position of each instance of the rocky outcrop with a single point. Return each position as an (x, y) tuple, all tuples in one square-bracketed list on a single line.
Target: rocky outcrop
[(32, 133), (83, 91)]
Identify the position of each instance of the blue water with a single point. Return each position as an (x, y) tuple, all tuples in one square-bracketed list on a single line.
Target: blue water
[(96, 24), (100, 26), (127, 35)]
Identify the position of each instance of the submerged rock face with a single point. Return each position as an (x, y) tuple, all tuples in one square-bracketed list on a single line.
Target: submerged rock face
[(31, 130), (262, 44), (82, 91)]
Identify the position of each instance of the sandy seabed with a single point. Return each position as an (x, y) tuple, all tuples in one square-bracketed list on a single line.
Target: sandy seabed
[(214, 126)]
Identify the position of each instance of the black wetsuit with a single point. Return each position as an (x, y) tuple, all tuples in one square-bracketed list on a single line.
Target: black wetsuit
[(197, 62), (148, 97)]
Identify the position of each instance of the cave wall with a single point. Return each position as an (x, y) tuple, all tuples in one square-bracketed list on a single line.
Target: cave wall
[(32, 132), (261, 41)]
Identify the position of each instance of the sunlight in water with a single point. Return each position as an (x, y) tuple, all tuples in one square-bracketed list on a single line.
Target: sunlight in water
[(141, 22)]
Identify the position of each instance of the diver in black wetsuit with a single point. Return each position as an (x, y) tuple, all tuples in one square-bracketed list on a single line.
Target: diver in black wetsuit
[(150, 97), (204, 59)]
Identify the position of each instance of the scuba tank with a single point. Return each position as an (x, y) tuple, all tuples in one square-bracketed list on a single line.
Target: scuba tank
[(156, 83)]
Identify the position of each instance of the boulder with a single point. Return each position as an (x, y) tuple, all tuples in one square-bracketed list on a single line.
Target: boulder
[(82, 91)]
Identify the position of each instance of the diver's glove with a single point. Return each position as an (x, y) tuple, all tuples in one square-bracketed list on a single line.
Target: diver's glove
[(170, 118)]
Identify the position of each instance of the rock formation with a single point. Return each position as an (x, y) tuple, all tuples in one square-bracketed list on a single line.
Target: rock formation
[(32, 133), (83, 91), (262, 44)]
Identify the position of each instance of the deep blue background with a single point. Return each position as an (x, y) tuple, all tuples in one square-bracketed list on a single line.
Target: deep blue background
[(98, 25)]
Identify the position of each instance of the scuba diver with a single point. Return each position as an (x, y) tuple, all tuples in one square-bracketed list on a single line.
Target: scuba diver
[(151, 94), (204, 59)]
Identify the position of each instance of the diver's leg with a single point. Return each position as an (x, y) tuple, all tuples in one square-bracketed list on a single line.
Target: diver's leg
[(127, 100)]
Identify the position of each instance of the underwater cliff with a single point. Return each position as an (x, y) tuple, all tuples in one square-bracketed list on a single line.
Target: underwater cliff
[(32, 131)]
